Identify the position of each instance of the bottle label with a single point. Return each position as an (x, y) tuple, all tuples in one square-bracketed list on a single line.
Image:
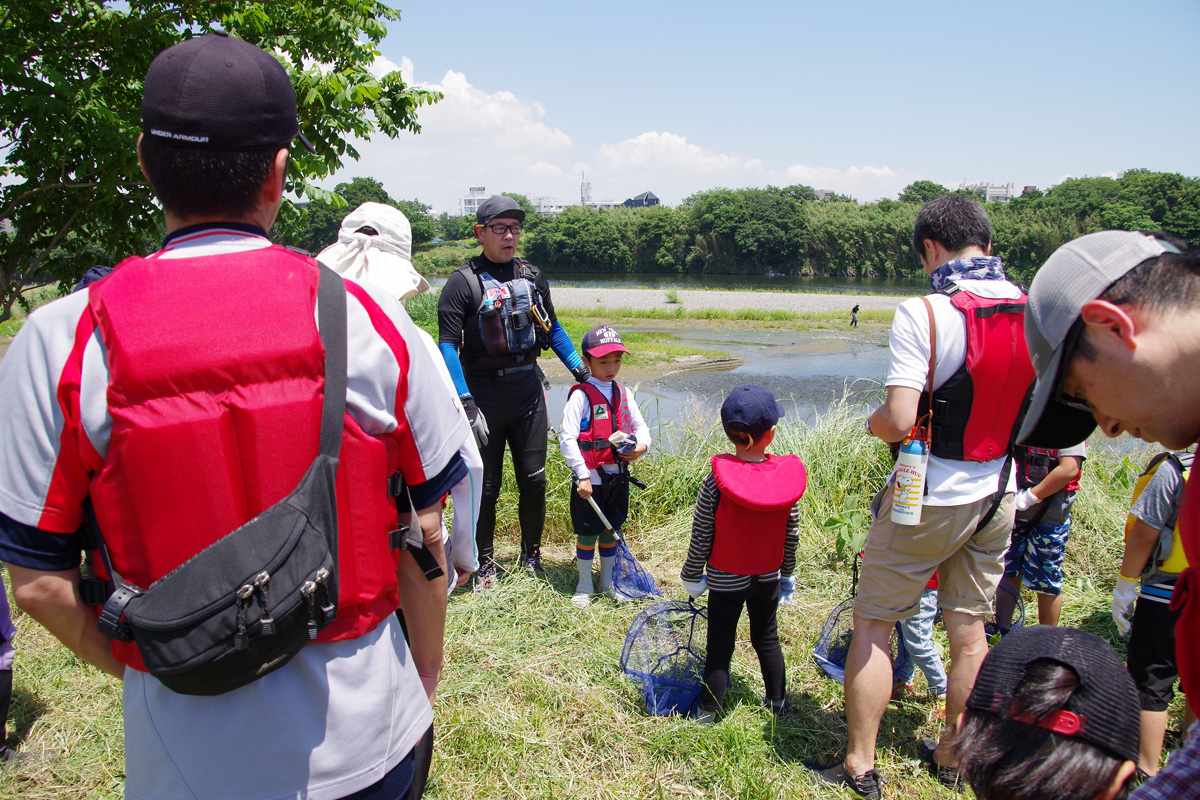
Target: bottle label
[(908, 491)]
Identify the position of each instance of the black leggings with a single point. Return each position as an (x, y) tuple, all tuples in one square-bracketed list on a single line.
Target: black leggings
[(724, 611), (515, 409)]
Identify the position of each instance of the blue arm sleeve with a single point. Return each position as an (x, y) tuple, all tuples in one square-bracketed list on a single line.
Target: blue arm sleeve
[(562, 346), (450, 356)]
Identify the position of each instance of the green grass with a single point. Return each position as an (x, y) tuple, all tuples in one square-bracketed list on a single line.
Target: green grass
[(533, 703), (35, 297)]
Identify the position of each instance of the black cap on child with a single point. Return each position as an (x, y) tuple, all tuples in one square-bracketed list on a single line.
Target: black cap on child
[(1103, 711)]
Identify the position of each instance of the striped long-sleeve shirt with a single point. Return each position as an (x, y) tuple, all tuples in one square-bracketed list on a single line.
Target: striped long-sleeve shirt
[(703, 530)]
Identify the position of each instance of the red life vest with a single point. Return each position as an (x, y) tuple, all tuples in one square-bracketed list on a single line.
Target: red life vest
[(215, 389), (975, 410), (1035, 463), (751, 518), (605, 419)]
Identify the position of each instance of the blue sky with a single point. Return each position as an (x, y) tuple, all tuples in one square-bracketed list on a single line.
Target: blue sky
[(859, 97)]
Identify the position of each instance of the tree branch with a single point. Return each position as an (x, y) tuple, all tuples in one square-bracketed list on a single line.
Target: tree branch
[(6, 212)]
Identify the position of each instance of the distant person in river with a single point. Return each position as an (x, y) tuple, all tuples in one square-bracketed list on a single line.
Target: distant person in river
[(494, 318), (602, 431), (744, 536), (980, 374), (854, 316)]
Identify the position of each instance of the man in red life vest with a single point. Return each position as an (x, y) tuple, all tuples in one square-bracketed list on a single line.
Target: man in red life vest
[(980, 376), (181, 396), (1114, 332)]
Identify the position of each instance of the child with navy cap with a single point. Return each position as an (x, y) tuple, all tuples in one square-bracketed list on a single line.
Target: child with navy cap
[(744, 535), (602, 431)]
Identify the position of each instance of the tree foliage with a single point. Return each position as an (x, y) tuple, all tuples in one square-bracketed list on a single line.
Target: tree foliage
[(316, 226), (70, 112), (787, 231)]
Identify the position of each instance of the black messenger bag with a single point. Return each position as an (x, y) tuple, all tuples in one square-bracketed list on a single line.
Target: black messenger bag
[(244, 605)]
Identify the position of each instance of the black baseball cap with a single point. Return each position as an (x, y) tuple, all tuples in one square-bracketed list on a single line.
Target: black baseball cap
[(498, 205), (752, 408), (1103, 711), (217, 92)]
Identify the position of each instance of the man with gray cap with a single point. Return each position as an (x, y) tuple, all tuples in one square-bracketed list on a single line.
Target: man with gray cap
[(494, 318), (178, 402), (1113, 329)]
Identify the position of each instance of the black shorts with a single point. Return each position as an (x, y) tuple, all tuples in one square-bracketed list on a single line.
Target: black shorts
[(1151, 654)]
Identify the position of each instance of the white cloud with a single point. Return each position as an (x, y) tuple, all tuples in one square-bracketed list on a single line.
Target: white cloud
[(493, 121), (664, 152)]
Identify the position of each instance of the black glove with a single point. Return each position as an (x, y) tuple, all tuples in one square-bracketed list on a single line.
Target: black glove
[(581, 374), (479, 425)]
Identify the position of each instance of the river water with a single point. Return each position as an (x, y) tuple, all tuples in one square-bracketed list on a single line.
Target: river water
[(805, 370)]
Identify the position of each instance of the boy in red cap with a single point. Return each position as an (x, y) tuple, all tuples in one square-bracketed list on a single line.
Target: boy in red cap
[(602, 431)]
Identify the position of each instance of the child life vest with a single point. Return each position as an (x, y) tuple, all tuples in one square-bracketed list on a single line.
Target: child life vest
[(601, 421), (1168, 558), (975, 410), (508, 312), (751, 519), (1035, 463), (215, 398)]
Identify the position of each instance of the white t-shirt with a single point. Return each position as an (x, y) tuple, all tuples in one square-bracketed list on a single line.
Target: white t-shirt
[(950, 482)]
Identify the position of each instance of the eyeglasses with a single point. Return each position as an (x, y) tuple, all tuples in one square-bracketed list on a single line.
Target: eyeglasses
[(1077, 403), (500, 229)]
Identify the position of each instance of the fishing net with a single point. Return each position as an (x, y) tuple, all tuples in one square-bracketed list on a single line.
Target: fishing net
[(630, 578), (833, 644), (662, 655), (991, 624)]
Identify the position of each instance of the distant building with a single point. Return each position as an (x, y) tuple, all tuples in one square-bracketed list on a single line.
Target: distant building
[(824, 194), (473, 200), (1029, 190), (1001, 193), (643, 200), (547, 206)]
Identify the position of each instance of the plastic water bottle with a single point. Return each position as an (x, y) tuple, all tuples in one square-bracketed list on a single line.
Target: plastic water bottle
[(908, 491)]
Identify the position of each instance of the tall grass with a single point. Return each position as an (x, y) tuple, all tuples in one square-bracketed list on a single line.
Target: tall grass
[(533, 703)]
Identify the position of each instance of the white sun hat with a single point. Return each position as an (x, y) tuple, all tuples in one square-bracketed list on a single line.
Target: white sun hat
[(383, 258)]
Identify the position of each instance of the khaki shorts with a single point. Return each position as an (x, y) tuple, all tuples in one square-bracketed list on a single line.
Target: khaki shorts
[(900, 559)]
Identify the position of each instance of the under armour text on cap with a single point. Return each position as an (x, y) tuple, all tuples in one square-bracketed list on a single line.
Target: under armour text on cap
[(217, 92), (498, 205), (602, 340), (1077, 272), (1104, 709), (751, 408)]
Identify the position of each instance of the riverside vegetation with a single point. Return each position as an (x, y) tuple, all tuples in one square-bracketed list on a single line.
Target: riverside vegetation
[(533, 703)]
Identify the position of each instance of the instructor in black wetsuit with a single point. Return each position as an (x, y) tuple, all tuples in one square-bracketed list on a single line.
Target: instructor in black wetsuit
[(494, 319)]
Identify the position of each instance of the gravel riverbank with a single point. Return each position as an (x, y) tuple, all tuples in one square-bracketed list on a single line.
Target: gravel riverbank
[(590, 298)]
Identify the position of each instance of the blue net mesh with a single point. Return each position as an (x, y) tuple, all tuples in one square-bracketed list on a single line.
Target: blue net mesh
[(630, 578), (991, 624), (662, 655), (833, 643)]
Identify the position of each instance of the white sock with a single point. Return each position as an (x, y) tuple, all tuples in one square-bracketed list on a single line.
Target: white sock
[(606, 571), (585, 576)]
